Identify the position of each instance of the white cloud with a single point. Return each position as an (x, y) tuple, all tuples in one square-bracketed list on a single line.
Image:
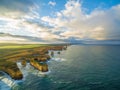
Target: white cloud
[(71, 22), (51, 3), (98, 25), (48, 36), (8, 38)]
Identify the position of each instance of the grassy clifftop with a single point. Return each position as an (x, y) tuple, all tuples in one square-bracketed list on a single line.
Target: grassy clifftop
[(10, 53)]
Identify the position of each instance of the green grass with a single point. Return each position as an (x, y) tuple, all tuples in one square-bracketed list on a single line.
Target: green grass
[(19, 46), (11, 49), (10, 53), (8, 50)]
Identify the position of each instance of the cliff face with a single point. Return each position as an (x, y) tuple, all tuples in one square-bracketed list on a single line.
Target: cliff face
[(17, 75), (42, 58), (36, 56), (13, 71), (40, 66)]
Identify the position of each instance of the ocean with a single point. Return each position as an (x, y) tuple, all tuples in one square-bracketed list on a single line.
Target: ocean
[(80, 67)]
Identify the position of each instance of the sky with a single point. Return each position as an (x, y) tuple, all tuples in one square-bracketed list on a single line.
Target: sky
[(59, 21)]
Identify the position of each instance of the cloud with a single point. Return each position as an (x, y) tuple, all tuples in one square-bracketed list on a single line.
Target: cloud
[(9, 38), (15, 8), (6, 38), (22, 20), (51, 3), (98, 25), (14, 15)]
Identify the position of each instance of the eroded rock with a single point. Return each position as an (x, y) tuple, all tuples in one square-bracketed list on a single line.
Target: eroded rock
[(40, 66)]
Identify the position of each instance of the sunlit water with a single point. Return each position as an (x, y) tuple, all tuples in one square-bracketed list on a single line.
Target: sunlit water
[(77, 68)]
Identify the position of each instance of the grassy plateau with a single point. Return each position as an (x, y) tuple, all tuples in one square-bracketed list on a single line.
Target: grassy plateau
[(32, 53)]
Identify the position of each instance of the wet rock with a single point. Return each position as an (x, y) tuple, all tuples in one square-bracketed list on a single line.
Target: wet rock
[(65, 47), (52, 53), (23, 63), (58, 52)]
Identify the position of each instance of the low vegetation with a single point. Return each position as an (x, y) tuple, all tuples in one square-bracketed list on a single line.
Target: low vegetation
[(10, 53)]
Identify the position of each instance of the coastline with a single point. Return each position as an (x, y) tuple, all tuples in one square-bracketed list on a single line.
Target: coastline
[(35, 56)]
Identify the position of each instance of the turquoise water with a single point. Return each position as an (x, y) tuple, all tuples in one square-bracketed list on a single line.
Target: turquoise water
[(77, 68)]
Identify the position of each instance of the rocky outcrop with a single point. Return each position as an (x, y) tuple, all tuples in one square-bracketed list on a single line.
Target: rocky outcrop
[(13, 71), (17, 75), (65, 47), (42, 58), (58, 52), (52, 53), (40, 66), (23, 62), (37, 57)]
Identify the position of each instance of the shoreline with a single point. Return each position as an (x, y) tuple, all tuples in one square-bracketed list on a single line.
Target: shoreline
[(34, 56)]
